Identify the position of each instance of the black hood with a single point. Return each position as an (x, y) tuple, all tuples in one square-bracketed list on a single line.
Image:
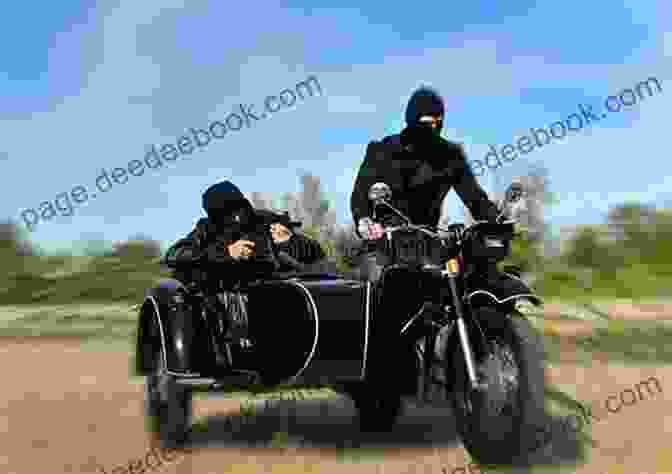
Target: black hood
[(424, 101), (222, 200)]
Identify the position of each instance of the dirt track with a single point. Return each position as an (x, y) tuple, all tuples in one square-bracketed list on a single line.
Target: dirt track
[(65, 409)]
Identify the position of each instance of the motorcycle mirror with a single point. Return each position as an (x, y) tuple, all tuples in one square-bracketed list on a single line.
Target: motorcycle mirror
[(514, 193), (380, 192)]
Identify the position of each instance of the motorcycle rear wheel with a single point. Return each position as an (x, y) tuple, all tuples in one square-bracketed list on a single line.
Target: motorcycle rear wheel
[(496, 424)]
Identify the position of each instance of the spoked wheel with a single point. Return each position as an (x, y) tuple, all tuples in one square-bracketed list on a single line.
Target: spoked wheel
[(494, 422), (167, 404)]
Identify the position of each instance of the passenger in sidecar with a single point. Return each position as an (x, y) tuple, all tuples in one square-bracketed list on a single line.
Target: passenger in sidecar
[(235, 244)]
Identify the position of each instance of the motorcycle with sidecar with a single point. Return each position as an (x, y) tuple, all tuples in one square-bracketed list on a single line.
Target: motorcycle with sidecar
[(463, 337)]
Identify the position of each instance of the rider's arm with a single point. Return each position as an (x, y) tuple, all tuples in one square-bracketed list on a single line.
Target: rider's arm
[(193, 248), (302, 248), (374, 169), (471, 193), (187, 249)]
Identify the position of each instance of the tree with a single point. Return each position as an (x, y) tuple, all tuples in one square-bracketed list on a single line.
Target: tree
[(644, 234), (633, 224), (537, 195), (13, 240), (96, 248), (313, 201), (310, 206), (261, 200), (528, 247), (138, 247), (585, 250)]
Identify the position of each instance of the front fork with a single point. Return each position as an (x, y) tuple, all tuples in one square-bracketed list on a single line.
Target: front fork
[(451, 273)]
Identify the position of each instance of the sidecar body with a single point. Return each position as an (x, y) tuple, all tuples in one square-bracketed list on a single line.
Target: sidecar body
[(305, 329)]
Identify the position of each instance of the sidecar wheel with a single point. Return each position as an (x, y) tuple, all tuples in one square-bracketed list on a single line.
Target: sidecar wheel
[(497, 424), (377, 413), (168, 405)]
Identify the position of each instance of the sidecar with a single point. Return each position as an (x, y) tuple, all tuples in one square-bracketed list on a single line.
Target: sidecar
[(305, 329)]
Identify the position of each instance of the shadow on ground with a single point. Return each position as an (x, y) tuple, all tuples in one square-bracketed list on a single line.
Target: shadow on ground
[(331, 424)]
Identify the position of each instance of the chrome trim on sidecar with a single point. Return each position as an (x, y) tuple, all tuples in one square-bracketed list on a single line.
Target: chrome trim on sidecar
[(367, 315), (157, 314), (316, 316), (508, 298)]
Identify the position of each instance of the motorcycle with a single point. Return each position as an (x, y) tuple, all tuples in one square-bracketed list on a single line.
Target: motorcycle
[(474, 343), (462, 337)]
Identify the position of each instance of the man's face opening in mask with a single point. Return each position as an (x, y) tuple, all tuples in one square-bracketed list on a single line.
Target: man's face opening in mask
[(430, 124), (428, 127)]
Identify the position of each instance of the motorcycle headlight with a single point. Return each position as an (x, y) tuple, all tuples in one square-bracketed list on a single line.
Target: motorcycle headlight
[(525, 306)]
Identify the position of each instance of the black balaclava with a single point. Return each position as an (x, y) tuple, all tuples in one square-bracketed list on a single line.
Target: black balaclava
[(225, 205), (424, 101)]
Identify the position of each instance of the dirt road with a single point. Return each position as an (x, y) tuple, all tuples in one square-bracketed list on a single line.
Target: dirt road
[(69, 409)]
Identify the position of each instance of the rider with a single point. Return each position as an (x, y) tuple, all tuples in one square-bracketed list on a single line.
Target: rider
[(420, 167), (217, 239), (233, 242)]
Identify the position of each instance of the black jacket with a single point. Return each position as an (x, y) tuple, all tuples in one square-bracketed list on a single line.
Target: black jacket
[(231, 217), (205, 235), (195, 245), (420, 175)]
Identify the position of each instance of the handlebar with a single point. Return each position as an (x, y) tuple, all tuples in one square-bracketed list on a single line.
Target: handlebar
[(424, 229), (454, 233)]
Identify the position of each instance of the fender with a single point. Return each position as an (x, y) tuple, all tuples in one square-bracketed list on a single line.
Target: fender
[(168, 320), (505, 290)]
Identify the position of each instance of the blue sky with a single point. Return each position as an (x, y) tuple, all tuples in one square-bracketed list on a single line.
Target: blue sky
[(87, 86)]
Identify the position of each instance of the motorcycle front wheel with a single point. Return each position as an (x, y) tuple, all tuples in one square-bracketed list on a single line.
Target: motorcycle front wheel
[(496, 423)]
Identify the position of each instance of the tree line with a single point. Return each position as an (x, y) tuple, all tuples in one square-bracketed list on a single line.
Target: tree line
[(633, 243)]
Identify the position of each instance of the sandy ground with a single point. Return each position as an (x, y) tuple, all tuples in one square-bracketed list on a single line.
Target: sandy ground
[(71, 409)]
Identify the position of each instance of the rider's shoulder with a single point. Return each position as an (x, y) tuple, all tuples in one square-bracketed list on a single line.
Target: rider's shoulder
[(456, 148), (451, 144), (202, 227), (392, 140), (379, 150), (385, 142), (390, 144)]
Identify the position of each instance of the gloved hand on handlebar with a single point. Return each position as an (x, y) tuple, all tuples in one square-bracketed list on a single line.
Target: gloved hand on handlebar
[(370, 230)]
